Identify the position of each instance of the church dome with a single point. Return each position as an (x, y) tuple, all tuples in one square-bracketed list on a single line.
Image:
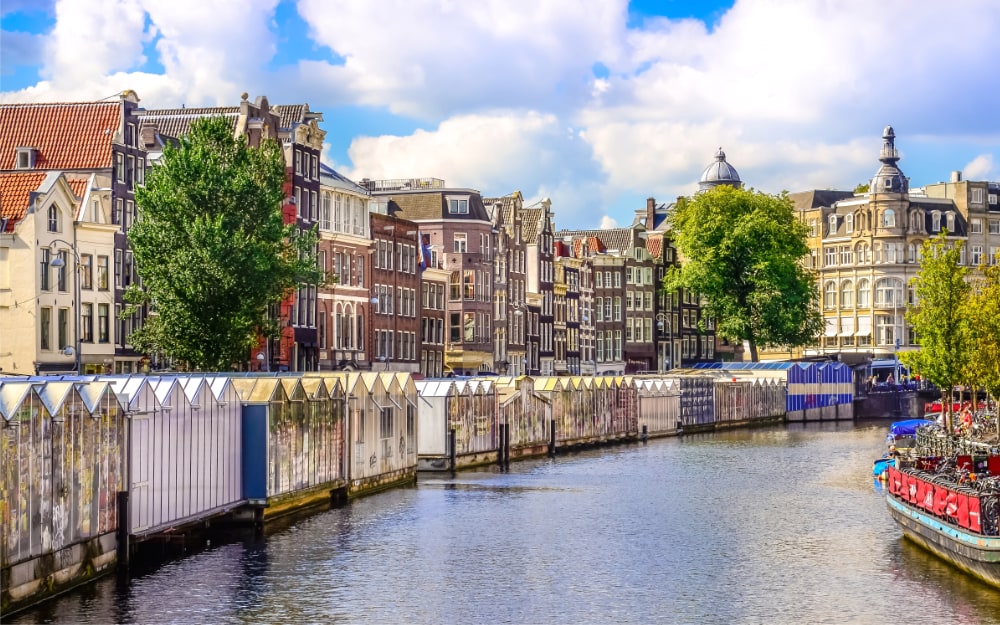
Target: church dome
[(719, 172)]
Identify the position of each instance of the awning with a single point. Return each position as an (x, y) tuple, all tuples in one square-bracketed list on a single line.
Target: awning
[(831, 326), (864, 327), (847, 326)]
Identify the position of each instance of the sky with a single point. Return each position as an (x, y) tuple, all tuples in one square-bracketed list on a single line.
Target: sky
[(595, 104)]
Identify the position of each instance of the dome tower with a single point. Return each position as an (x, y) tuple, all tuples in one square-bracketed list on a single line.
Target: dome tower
[(718, 173)]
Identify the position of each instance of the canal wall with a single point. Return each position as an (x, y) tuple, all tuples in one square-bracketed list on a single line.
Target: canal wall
[(97, 468)]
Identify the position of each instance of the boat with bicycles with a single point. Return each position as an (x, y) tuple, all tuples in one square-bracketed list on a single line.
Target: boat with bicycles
[(945, 496)]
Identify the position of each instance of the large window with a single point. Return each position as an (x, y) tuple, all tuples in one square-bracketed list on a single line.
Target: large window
[(102, 272), (461, 243), (45, 328), (889, 292), (889, 218), (86, 272), (846, 294), (44, 275), (87, 323), (458, 206), (864, 293), (829, 294), (103, 321)]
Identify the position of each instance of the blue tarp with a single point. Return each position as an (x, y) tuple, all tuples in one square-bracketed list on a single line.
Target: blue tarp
[(909, 427)]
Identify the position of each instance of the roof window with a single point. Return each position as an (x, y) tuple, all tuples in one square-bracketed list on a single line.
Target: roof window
[(25, 158)]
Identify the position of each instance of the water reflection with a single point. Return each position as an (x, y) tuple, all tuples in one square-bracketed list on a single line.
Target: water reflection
[(776, 525)]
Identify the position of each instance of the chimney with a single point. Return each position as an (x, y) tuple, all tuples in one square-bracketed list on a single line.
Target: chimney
[(956, 176), (650, 213)]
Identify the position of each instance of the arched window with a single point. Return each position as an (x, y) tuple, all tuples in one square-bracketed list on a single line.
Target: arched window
[(830, 294), (849, 223), (847, 294), (911, 253), (888, 218), (889, 292), (935, 221), (338, 327), (864, 293), (951, 223), (833, 224)]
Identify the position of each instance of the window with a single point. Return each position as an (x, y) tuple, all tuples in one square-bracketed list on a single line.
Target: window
[(618, 280), (87, 323), (995, 226), (846, 294), (120, 167), (44, 274), (849, 223), (864, 293), (25, 158), (458, 206), (829, 295), (102, 273), (461, 243), (53, 221), (976, 226), (45, 327), (888, 292), (976, 255), (977, 196), (951, 222), (86, 271), (61, 271), (889, 218), (62, 328), (833, 224), (830, 256), (935, 222), (598, 283)]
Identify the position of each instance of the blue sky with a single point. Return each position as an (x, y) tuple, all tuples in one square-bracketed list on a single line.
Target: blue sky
[(596, 104)]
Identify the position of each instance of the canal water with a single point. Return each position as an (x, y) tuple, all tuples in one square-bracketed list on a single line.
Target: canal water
[(774, 525)]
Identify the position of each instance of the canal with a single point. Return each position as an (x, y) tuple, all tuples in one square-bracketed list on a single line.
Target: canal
[(772, 525)]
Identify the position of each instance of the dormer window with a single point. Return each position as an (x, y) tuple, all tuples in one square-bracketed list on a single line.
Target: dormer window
[(26, 158), (849, 223), (951, 222), (458, 206), (935, 222)]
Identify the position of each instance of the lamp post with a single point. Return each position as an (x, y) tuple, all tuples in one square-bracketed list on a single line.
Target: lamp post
[(58, 262)]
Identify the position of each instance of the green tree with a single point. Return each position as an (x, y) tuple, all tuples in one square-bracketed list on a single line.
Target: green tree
[(862, 188), (983, 312), (212, 248), (939, 319), (742, 251)]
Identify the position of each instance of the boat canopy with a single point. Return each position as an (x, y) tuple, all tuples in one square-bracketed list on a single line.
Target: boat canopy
[(901, 429)]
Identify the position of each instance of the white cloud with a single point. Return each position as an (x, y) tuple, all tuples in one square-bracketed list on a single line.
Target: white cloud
[(980, 168), (607, 223), (434, 58)]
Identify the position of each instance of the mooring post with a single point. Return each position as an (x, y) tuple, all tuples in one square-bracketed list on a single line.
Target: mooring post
[(552, 437), (645, 433), (121, 531), (451, 448)]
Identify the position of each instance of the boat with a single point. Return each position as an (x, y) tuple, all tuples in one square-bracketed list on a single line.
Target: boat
[(945, 497)]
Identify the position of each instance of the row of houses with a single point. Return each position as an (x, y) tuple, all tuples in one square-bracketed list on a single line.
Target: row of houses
[(427, 278)]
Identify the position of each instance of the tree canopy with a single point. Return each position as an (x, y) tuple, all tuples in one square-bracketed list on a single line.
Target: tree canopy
[(742, 251), (983, 313), (939, 318), (212, 249)]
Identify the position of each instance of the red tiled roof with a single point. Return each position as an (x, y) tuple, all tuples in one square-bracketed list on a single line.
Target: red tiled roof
[(654, 245), (15, 192), (66, 136)]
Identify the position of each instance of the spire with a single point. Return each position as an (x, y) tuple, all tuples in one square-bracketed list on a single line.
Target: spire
[(888, 155)]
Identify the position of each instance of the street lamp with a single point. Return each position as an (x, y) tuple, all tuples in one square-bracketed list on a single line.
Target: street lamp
[(58, 262)]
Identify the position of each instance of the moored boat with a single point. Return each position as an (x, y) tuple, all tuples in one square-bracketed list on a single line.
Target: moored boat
[(950, 504)]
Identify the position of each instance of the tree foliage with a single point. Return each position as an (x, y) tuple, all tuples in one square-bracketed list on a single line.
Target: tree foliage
[(983, 312), (742, 251), (212, 248), (939, 318)]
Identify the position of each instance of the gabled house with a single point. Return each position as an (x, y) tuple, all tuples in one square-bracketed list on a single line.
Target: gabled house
[(95, 145), (47, 279)]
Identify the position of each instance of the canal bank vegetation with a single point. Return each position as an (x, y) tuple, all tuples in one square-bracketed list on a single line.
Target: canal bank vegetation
[(956, 320)]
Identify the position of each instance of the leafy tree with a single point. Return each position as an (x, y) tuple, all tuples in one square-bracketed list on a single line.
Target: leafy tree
[(862, 188), (742, 250), (212, 248), (939, 319), (983, 312)]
